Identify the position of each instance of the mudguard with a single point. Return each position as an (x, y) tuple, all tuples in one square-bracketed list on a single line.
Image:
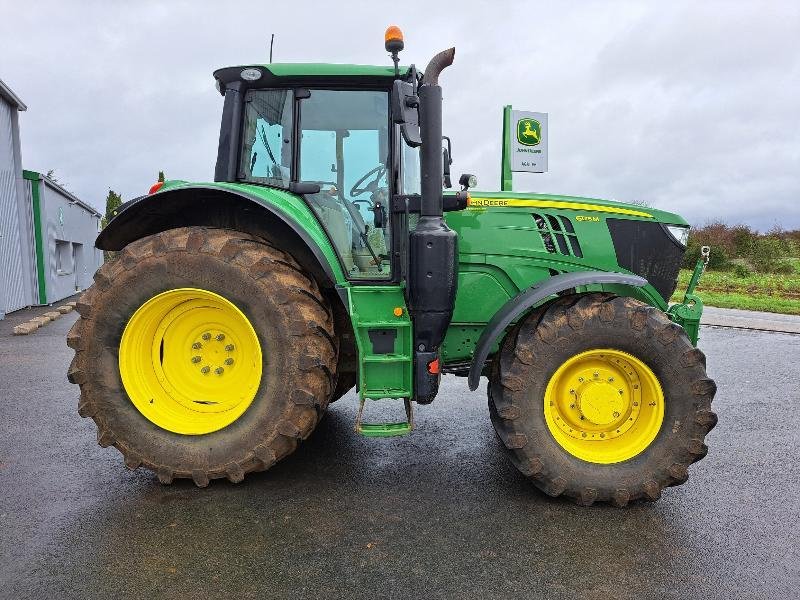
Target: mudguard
[(274, 214), (524, 301)]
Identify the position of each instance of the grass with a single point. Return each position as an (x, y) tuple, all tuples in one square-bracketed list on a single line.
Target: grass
[(776, 293)]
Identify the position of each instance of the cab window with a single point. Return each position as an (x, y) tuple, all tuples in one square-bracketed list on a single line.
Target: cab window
[(267, 137)]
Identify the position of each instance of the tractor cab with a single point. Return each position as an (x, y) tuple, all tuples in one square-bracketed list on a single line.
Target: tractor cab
[(325, 131)]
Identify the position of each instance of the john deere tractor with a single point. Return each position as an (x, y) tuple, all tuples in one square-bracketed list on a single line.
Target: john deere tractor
[(328, 253)]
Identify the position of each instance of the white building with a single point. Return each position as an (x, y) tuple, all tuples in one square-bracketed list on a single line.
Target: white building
[(47, 235)]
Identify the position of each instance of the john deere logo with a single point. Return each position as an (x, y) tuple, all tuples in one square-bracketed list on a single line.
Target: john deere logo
[(529, 132)]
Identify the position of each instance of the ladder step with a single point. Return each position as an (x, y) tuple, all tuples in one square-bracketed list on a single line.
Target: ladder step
[(387, 358), (384, 429)]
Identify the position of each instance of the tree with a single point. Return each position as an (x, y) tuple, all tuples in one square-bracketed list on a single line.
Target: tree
[(161, 176), (113, 202)]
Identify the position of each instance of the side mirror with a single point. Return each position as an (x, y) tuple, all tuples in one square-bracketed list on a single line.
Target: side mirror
[(405, 105), (447, 160)]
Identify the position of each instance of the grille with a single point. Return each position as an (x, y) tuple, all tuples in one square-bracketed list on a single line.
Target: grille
[(558, 235), (647, 249)]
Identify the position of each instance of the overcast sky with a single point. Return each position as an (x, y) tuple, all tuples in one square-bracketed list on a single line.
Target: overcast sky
[(692, 107)]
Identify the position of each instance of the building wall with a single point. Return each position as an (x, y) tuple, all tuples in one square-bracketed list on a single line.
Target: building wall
[(17, 287), (69, 229)]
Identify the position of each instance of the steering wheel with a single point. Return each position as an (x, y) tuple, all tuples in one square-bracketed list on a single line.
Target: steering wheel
[(378, 171)]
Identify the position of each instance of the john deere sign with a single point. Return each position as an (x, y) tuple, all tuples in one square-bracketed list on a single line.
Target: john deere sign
[(528, 141), (529, 132)]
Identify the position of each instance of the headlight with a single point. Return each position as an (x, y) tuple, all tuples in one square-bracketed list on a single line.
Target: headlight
[(680, 233)]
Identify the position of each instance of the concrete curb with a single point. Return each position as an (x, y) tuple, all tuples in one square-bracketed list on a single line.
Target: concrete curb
[(32, 325)]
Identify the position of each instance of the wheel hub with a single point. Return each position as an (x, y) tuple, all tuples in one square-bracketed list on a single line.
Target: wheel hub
[(212, 353), (600, 403)]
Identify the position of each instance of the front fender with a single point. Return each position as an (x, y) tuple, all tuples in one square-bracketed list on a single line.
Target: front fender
[(524, 301), (276, 215)]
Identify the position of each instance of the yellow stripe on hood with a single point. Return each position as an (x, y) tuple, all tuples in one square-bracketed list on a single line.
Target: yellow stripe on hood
[(558, 204)]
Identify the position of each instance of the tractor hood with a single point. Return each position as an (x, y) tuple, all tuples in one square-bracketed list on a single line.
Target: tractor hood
[(522, 232)]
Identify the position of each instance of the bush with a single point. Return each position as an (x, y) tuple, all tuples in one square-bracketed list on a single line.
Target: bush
[(741, 271), (767, 254)]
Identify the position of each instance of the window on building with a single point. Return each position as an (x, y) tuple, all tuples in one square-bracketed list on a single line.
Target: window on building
[(63, 257)]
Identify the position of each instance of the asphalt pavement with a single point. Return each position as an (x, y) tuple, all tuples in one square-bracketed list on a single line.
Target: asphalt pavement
[(438, 514)]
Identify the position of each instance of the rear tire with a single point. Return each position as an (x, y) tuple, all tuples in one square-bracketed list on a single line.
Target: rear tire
[(550, 337), (293, 324)]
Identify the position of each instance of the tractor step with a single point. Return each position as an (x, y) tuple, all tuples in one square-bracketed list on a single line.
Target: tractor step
[(385, 429)]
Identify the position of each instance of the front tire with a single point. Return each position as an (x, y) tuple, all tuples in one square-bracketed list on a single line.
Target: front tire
[(199, 288), (601, 399)]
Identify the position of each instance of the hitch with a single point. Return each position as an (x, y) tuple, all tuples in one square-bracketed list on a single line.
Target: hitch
[(687, 313)]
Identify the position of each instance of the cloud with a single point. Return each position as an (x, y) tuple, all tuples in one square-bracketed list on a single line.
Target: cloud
[(689, 107)]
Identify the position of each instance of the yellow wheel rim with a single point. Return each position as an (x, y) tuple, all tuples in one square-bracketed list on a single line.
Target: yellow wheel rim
[(604, 406), (190, 361)]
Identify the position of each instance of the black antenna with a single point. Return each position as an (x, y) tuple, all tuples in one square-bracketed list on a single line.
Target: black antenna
[(271, 41)]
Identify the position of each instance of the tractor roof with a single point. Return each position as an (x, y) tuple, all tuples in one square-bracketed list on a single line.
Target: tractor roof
[(275, 74)]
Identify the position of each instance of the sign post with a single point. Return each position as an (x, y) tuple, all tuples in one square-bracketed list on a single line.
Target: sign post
[(524, 144)]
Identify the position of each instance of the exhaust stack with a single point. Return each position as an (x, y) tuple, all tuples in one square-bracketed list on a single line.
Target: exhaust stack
[(433, 269)]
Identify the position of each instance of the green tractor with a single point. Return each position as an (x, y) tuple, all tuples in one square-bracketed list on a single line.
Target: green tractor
[(328, 253)]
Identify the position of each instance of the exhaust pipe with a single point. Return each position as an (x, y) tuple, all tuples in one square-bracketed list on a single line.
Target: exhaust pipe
[(433, 269), (436, 65)]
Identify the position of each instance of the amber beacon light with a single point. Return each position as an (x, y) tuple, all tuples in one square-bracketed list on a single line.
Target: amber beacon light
[(393, 39)]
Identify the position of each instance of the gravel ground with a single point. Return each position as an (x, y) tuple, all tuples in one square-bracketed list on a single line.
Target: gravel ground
[(438, 514)]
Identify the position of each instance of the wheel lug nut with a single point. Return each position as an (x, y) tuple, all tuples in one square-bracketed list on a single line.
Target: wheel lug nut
[(220, 337), (580, 379), (228, 361), (610, 379), (229, 347), (197, 346), (206, 336), (219, 370), (205, 370), (616, 414), (196, 359), (596, 374)]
